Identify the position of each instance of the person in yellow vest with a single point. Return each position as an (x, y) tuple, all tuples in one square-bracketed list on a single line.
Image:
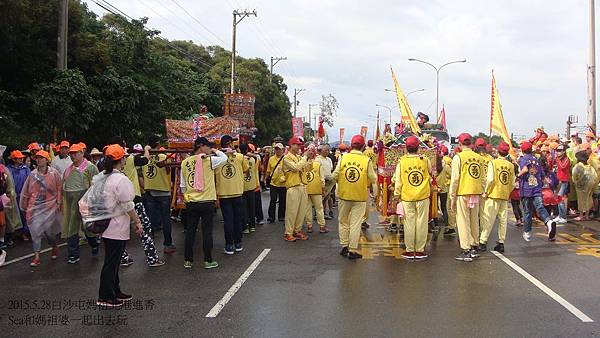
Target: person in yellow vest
[(354, 173), (294, 167), (481, 147), (230, 187), (499, 184), (157, 184), (250, 185), (132, 162), (465, 192), (413, 188), (443, 182), (315, 185), (275, 179), (200, 194)]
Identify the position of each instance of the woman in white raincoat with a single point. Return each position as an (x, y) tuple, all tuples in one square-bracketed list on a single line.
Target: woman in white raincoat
[(41, 200)]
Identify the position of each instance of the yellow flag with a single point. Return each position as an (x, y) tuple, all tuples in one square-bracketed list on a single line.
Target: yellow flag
[(408, 119), (497, 124)]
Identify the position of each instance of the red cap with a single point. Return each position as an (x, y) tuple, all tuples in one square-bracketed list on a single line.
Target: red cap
[(444, 150), (480, 142), (526, 146), (82, 145), (75, 148), (465, 139), (16, 154), (115, 151), (503, 148), (296, 140), (489, 148), (357, 140), (64, 144), (412, 142), (342, 146)]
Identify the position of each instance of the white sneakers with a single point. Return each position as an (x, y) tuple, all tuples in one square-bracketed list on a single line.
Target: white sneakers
[(527, 236), (560, 220), (2, 256)]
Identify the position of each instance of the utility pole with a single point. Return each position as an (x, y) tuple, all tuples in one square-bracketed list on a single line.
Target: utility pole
[(296, 92), (592, 72), (236, 21), (274, 61), (310, 118), (61, 41)]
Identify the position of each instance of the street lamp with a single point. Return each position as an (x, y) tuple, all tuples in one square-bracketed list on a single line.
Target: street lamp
[(388, 108), (437, 72)]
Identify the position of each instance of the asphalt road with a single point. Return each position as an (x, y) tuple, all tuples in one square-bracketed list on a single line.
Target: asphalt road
[(306, 289)]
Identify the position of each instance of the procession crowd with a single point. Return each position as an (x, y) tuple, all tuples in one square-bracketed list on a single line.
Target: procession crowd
[(89, 197)]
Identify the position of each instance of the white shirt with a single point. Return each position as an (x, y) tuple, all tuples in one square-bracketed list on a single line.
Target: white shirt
[(326, 166), (61, 164)]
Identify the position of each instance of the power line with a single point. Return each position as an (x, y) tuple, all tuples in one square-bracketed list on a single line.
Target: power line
[(204, 37), (200, 23)]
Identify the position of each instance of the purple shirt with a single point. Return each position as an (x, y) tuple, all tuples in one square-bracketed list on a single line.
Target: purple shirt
[(530, 185)]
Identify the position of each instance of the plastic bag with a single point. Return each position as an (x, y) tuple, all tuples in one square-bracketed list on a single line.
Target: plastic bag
[(94, 206)]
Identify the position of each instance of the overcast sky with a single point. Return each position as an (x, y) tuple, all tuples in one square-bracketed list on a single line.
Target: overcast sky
[(537, 49)]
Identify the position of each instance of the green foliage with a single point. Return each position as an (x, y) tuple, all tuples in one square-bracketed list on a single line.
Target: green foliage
[(122, 79)]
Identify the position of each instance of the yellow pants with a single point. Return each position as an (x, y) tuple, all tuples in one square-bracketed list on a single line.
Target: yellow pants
[(467, 222), (296, 201), (416, 216), (493, 208), (451, 215), (350, 216), (366, 216), (317, 202)]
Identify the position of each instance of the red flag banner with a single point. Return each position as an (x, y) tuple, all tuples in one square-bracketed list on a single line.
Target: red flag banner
[(297, 126), (442, 120), (363, 131), (321, 129), (342, 132)]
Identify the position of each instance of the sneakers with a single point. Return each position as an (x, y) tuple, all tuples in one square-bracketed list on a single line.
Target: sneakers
[(238, 247), (301, 236), (344, 251), (252, 229), (474, 252), (464, 256), (35, 262), (2, 257), (261, 222), (331, 214), (327, 217), (187, 264), (420, 255), (169, 249), (110, 303), (392, 228), (158, 263), (449, 232), (289, 238), (499, 247), (354, 255), (124, 297), (54, 254), (246, 231), (210, 265), (365, 225), (271, 221), (560, 220), (73, 260), (309, 229), (323, 230), (527, 236), (551, 225), (482, 247), (408, 255), (229, 249), (127, 261)]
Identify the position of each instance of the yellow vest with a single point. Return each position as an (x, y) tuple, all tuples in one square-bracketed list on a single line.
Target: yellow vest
[(278, 173), (156, 178), (504, 178), (415, 178), (485, 160), (312, 179), (251, 176), (230, 177), (188, 169), (371, 155), (353, 180), (292, 178), (131, 172), (470, 181)]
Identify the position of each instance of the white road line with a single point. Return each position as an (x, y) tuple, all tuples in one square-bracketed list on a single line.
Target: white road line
[(29, 256), (582, 316), (214, 312)]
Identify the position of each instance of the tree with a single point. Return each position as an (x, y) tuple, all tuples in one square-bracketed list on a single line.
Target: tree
[(329, 106)]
